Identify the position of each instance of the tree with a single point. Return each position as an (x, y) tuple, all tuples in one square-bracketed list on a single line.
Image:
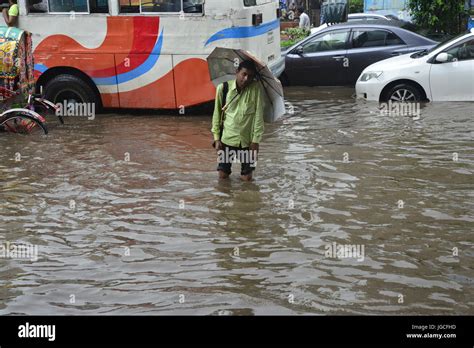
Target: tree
[(356, 6), (438, 15)]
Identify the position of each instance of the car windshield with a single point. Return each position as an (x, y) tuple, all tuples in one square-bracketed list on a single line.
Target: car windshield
[(434, 48), (443, 43)]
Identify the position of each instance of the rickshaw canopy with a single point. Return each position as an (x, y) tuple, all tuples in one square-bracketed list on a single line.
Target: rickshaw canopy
[(16, 59)]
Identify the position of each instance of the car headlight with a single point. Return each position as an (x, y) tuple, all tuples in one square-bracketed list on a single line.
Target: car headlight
[(370, 75)]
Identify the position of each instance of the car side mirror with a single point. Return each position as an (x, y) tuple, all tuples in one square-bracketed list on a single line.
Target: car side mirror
[(298, 50), (443, 57)]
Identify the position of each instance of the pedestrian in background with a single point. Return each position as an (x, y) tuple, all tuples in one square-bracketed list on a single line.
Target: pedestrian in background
[(304, 19), (10, 15)]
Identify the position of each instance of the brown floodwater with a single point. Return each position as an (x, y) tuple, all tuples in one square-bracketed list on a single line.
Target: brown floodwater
[(129, 217)]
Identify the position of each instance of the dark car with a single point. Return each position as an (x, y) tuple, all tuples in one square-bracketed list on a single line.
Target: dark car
[(336, 56)]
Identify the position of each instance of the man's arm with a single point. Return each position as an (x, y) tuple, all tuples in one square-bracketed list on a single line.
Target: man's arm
[(258, 119), (6, 18), (10, 16), (216, 117)]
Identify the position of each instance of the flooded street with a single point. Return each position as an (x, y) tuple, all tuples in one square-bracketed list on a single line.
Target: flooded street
[(129, 217)]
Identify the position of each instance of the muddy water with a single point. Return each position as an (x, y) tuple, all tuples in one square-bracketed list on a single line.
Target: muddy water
[(129, 218)]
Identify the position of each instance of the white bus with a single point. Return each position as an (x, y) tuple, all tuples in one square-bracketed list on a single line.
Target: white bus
[(143, 53)]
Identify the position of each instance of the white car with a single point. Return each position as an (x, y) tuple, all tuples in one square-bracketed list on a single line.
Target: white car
[(443, 73), (355, 17)]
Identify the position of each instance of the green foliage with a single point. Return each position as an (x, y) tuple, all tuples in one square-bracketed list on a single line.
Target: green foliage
[(443, 16), (294, 35), (356, 6), (288, 43)]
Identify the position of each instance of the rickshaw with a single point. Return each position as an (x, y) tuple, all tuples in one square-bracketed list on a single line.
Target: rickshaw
[(19, 105)]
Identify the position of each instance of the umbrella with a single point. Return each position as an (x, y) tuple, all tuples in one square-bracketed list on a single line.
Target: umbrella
[(223, 63)]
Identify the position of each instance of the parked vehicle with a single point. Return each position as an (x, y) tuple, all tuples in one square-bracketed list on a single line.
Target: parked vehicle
[(352, 17), (366, 16), (442, 73), (337, 55), (141, 53), (18, 103)]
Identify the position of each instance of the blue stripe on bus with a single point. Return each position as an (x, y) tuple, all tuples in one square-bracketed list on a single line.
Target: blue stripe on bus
[(138, 71), (130, 75), (244, 32), (41, 68)]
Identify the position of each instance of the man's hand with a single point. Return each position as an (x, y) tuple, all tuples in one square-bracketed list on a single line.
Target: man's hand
[(254, 147), (254, 151), (218, 145)]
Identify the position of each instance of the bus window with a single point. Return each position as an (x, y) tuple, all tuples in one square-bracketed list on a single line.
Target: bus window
[(37, 6), (192, 6), (68, 6), (99, 6), (41, 6), (161, 5), (157, 6), (129, 6)]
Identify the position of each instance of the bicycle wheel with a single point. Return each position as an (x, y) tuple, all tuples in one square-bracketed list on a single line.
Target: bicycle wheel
[(22, 123), (46, 107)]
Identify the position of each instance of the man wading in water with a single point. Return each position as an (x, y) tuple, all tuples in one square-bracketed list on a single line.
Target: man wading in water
[(237, 123)]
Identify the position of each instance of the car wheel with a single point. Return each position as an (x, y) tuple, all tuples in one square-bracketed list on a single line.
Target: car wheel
[(403, 93), (69, 88)]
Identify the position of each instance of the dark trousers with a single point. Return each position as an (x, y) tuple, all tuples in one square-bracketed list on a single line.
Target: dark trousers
[(232, 154)]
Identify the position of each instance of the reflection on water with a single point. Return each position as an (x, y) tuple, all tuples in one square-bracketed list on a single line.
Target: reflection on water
[(130, 219)]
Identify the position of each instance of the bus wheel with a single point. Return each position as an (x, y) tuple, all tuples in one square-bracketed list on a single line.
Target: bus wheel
[(69, 88)]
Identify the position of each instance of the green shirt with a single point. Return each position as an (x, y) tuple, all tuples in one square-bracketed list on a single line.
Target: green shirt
[(13, 10), (243, 122)]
